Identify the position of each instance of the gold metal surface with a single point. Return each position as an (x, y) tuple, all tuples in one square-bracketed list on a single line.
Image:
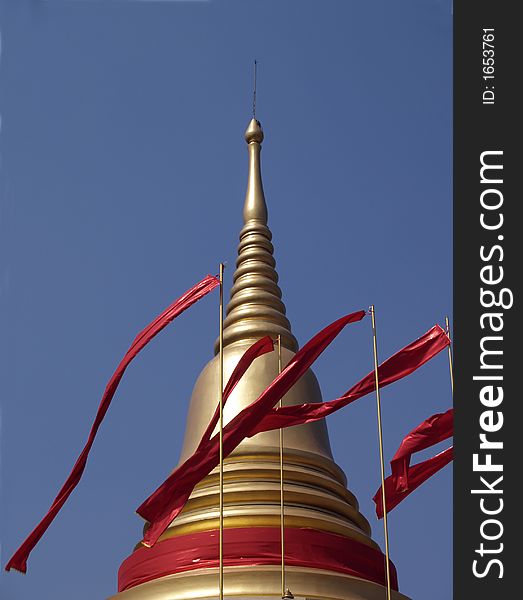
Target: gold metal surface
[(295, 457), (255, 308), (318, 521), (255, 582), (382, 461), (261, 497), (246, 473), (294, 496), (310, 440)]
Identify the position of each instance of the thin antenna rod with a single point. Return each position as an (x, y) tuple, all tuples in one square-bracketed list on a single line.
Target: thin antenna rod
[(254, 90)]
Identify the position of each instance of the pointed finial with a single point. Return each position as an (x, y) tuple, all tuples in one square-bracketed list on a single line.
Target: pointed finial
[(254, 132), (255, 206)]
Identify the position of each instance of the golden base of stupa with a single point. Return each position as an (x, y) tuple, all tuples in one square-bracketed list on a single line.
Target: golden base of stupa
[(250, 583)]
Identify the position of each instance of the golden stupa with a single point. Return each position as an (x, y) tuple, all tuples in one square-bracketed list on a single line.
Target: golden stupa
[(316, 497)]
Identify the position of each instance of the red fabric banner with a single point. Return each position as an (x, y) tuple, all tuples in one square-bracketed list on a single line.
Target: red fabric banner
[(405, 478), (19, 559), (399, 365), (166, 502), (435, 429), (308, 548), (257, 349), (418, 474)]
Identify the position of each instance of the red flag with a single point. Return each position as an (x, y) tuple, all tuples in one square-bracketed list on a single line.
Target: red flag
[(169, 499), (435, 429), (418, 474), (405, 478), (19, 559), (257, 349), (399, 365)]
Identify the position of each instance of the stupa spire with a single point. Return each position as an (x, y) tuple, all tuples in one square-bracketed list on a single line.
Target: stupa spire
[(256, 308)]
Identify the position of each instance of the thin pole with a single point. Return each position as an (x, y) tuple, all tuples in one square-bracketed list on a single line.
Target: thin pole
[(222, 266), (254, 90), (382, 463), (451, 367), (282, 498), (285, 592)]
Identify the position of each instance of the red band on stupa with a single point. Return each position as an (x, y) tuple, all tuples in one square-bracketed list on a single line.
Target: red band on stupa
[(259, 546)]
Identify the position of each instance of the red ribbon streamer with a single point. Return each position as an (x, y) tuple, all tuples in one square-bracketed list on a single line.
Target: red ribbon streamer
[(418, 474), (308, 548), (399, 365), (433, 430), (166, 502), (19, 559), (405, 478), (257, 349)]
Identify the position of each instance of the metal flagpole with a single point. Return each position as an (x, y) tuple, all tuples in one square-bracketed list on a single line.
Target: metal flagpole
[(222, 266), (382, 465), (451, 367), (285, 592)]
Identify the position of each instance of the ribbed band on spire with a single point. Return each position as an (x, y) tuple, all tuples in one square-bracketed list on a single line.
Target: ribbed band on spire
[(255, 308)]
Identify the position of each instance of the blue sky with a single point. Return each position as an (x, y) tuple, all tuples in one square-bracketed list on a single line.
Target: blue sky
[(123, 173)]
